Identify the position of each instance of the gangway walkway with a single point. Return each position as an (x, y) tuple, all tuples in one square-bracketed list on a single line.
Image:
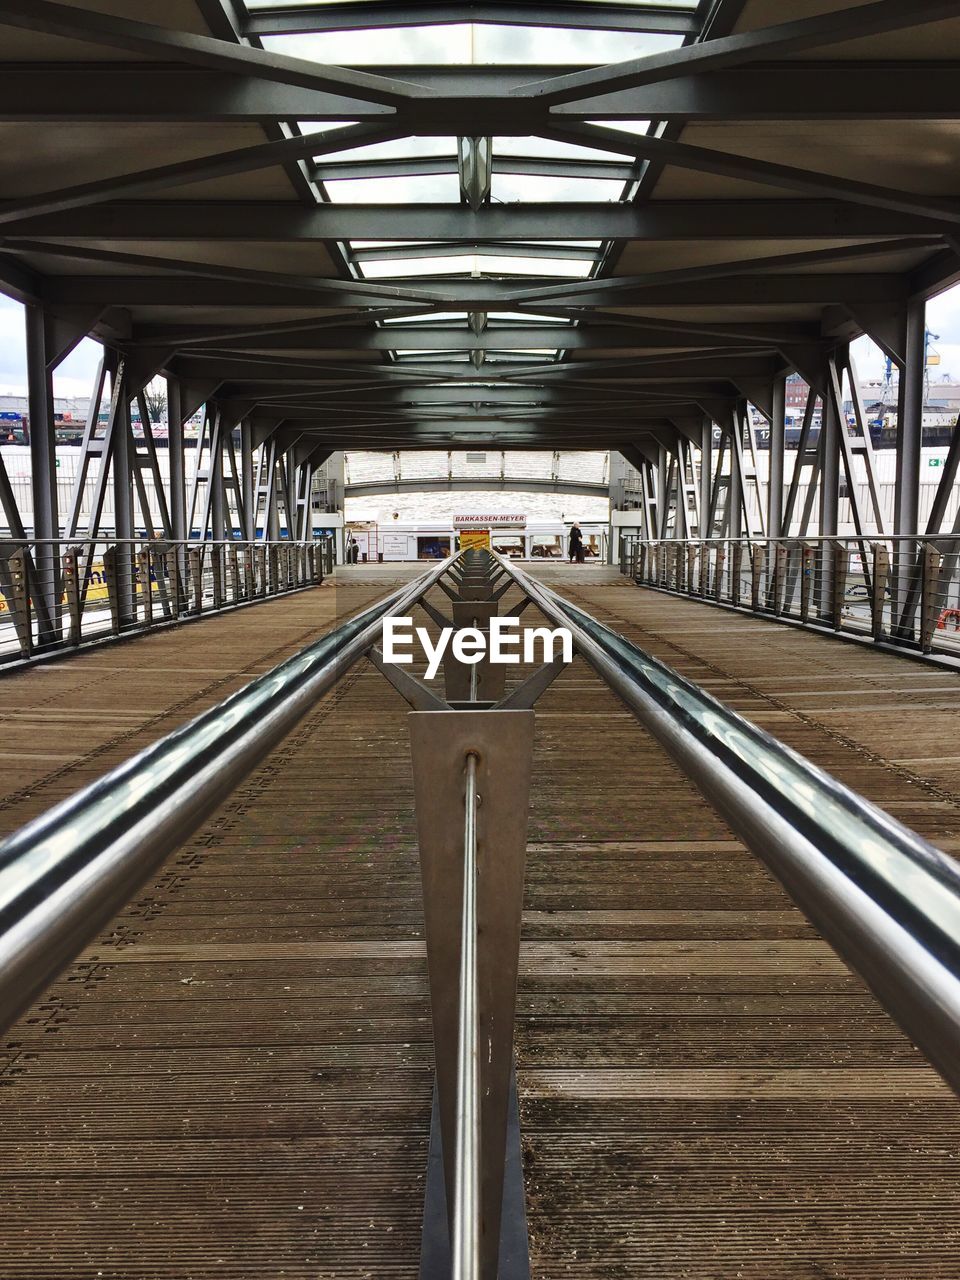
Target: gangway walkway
[(235, 1078)]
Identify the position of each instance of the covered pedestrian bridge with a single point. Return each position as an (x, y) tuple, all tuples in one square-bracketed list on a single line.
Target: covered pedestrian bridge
[(641, 964)]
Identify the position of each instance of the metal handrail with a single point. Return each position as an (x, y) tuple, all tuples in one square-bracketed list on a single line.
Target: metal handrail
[(466, 1197), (883, 897), (69, 871)]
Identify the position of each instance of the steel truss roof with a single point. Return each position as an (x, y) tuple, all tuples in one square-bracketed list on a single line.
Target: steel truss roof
[(618, 247)]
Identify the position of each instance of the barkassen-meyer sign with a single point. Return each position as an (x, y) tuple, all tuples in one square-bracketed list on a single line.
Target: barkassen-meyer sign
[(498, 521)]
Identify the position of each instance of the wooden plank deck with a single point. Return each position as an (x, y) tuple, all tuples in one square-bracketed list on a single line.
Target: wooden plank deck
[(235, 1078)]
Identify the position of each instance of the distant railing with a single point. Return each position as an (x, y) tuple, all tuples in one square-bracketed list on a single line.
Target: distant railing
[(60, 595), (903, 591)]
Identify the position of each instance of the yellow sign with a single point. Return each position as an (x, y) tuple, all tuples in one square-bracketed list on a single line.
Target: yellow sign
[(474, 539)]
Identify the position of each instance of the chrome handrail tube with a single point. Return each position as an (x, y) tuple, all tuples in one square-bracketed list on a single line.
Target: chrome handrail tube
[(64, 875), (466, 1205), (885, 899)]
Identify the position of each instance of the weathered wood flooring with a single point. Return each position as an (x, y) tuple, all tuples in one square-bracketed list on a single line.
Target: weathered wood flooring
[(235, 1078)]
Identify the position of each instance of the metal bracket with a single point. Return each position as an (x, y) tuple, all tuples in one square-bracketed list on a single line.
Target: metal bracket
[(515, 610), (526, 695), (474, 613), (433, 613), (413, 691), (491, 678)]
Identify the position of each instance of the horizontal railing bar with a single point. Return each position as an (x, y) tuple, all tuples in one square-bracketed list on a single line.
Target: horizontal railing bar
[(883, 897), (64, 875)]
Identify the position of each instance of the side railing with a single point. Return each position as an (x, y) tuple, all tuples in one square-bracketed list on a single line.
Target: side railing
[(66, 873), (901, 591), (884, 898), (887, 901), (60, 595)]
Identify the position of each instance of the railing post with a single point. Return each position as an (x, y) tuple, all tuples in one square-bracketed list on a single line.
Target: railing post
[(233, 566), (807, 562), (71, 583), (779, 578), (758, 554), (146, 585), (718, 570), (840, 557), (110, 577), (216, 573), (196, 577), (704, 568), (736, 568), (19, 599), (260, 552), (691, 568), (172, 562), (881, 576), (929, 598), (678, 567)]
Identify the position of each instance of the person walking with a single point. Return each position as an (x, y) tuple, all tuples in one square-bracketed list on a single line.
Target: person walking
[(576, 544)]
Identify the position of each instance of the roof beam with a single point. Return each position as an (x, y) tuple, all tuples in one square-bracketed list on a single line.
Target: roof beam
[(262, 155), (300, 19), (273, 222), (168, 45), (787, 91), (781, 40), (724, 164), (448, 338), (107, 92), (110, 92), (488, 295)]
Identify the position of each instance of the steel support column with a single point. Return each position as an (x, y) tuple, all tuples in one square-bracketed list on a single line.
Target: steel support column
[(175, 453), (247, 485), (829, 499), (778, 419), (706, 477), (123, 462), (906, 504), (43, 460)]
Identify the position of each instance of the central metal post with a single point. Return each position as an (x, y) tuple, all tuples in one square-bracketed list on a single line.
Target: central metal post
[(466, 1217)]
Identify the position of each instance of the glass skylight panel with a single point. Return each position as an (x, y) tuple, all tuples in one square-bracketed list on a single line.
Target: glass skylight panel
[(438, 188), (526, 317), (506, 188), (380, 269), (546, 148), (474, 264), (637, 127), (578, 270), (397, 149), (435, 317), (465, 44)]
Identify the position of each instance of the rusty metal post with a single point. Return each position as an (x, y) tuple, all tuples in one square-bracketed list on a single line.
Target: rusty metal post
[(113, 597), (196, 576), (881, 576), (758, 555), (146, 584), (807, 564), (71, 584), (929, 596), (841, 561)]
